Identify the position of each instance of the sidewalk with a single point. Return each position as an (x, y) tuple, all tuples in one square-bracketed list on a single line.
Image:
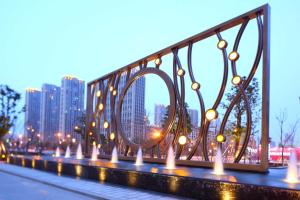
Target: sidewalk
[(84, 187)]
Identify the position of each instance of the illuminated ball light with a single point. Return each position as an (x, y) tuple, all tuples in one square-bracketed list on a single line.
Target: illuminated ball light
[(105, 125), (233, 56), (195, 86), (157, 61), (101, 106), (111, 88), (93, 124), (98, 93), (211, 114), (182, 140), (91, 133), (222, 44), (112, 136), (236, 80), (115, 92), (220, 138), (180, 72)]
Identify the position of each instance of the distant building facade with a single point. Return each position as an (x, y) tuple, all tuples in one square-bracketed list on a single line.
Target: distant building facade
[(133, 109), (71, 105), (32, 112), (50, 110), (159, 114)]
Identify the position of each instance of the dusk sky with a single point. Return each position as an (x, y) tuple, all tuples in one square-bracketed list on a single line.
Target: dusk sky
[(41, 41)]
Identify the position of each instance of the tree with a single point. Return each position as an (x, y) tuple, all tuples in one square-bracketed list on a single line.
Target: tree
[(9, 100), (281, 119), (174, 127), (235, 127)]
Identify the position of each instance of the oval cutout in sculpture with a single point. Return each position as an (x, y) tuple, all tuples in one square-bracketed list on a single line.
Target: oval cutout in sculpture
[(151, 141)]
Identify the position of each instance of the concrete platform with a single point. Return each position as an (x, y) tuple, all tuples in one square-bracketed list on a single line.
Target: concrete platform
[(184, 181)]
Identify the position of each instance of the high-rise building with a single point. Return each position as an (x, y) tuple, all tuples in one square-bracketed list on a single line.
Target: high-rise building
[(71, 105), (133, 109), (159, 113), (50, 108), (32, 112), (193, 113)]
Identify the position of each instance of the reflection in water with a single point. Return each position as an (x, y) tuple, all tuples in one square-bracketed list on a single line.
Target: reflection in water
[(59, 168), (181, 172), (102, 174), (154, 169), (227, 195), (229, 178)]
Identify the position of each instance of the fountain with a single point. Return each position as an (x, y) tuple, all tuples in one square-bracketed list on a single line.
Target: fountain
[(57, 152), (94, 156), (218, 167), (68, 152), (139, 157), (79, 152), (292, 171), (170, 159), (114, 156)]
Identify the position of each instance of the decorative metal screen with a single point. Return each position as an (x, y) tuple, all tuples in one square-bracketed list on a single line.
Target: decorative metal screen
[(110, 112)]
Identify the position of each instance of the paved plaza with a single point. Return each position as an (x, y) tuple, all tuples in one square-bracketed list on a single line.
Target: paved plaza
[(19, 182)]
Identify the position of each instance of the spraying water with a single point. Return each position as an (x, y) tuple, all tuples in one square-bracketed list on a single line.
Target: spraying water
[(170, 159), (218, 168), (68, 152), (139, 157), (79, 152), (114, 156), (94, 156), (57, 152), (292, 172)]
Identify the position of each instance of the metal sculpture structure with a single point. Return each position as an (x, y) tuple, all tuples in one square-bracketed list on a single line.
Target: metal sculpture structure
[(105, 93)]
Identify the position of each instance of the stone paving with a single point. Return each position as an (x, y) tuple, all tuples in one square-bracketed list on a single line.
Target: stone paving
[(90, 189)]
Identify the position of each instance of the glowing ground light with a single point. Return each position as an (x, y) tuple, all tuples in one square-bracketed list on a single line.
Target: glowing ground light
[(112, 136), (236, 80), (220, 138), (105, 125), (157, 61), (195, 86), (111, 88), (114, 92), (180, 72), (101, 106), (98, 93), (222, 44), (233, 56), (211, 114), (182, 140)]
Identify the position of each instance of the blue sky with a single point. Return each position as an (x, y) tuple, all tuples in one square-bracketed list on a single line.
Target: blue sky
[(41, 41)]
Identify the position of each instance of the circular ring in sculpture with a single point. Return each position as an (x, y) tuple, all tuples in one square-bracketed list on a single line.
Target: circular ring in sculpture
[(171, 112)]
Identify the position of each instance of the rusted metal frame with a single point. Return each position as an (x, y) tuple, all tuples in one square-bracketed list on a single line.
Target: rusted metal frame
[(182, 124), (250, 77), (104, 103), (171, 115), (218, 100), (113, 127), (265, 89), (89, 113), (201, 102), (198, 37)]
